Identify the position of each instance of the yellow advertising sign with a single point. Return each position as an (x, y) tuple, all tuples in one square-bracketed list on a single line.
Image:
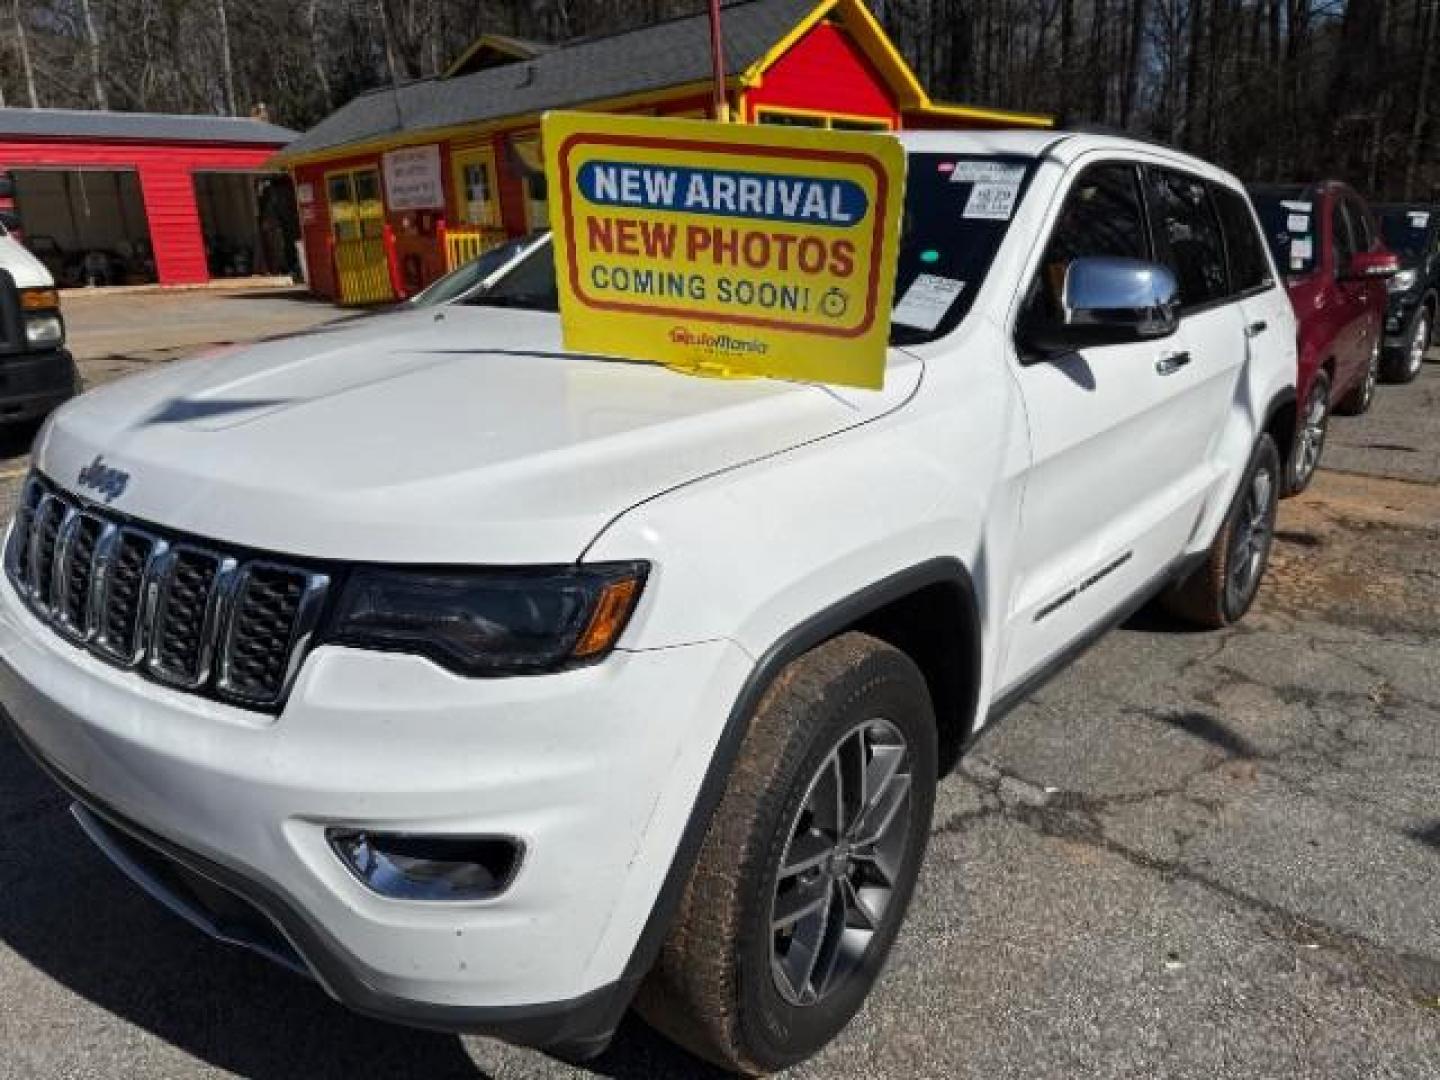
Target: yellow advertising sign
[(726, 248)]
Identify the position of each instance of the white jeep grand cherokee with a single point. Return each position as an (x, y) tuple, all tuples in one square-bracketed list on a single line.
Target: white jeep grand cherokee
[(498, 687)]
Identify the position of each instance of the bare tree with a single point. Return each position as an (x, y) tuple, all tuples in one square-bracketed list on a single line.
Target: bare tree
[(92, 39), (22, 45), (227, 65)]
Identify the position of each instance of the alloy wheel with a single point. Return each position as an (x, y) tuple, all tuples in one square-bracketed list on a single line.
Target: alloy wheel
[(1372, 376), (841, 864), (1419, 342), (1251, 543), (1312, 434)]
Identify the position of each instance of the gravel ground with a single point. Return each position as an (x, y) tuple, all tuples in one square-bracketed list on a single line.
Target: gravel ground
[(1191, 855)]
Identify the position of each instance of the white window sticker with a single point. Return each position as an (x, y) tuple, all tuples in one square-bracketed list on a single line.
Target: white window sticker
[(1419, 219), (1298, 207), (986, 172), (926, 301), (1301, 248), (991, 202), (1298, 223)]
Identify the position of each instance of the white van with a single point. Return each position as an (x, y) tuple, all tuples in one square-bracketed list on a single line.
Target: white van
[(37, 372)]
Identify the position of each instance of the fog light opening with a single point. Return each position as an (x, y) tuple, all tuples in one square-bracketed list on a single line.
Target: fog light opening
[(444, 869)]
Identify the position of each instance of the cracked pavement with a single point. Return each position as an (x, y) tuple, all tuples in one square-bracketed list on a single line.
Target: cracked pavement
[(1190, 855)]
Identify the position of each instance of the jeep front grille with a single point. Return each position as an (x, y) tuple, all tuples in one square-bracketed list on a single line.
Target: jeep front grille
[(183, 613)]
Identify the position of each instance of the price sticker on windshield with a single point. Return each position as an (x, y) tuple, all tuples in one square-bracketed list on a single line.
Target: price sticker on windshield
[(726, 249)]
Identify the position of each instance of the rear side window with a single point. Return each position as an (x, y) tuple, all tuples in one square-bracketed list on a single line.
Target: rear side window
[(1244, 249), (1187, 235)]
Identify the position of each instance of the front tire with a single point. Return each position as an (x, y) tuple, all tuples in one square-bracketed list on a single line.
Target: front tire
[(809, 863), (1221, 591), (1406, 364)]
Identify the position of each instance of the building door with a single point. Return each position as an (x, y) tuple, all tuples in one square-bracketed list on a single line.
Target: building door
[(477, 194), (475, 187), (357, 225)]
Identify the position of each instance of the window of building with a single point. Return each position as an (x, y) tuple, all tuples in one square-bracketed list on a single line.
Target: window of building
[(800, 118)]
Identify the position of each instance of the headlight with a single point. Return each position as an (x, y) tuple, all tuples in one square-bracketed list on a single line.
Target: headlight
[(44, 331), (498, 622), (1403, 281)]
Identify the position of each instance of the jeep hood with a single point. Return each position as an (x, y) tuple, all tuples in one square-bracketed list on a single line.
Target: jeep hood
[(464, 435)]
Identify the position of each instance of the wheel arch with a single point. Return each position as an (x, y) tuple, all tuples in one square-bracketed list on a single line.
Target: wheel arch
[(1281, 416), (950, 659)]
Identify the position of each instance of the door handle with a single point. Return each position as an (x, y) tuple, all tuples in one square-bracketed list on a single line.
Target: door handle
[(1171, 363), (1256, 328)]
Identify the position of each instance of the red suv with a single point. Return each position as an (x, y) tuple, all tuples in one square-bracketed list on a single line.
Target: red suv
[(1327, 245)]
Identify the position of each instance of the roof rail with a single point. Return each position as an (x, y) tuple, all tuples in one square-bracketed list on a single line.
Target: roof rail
[(1084, 127)]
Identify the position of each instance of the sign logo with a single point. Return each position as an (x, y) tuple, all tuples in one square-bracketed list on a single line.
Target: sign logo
[(107, 481), (731, 249)]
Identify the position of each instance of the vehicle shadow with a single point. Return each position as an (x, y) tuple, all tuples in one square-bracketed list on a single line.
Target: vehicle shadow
[(16, 440), (72, 916), (299, 294)]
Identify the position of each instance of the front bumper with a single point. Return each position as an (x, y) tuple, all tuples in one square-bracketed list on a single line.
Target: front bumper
[(595, 770), (34, 384)]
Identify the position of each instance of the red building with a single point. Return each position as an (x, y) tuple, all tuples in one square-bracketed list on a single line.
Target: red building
[(396, 187), (124, 198)]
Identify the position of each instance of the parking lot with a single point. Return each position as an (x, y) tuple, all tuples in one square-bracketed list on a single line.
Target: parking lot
[(1191, 855)]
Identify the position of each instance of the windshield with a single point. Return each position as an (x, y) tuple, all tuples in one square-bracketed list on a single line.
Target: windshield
[(1406, 230), (529, 282), (1288, 219), (957, 211), (463, 278)]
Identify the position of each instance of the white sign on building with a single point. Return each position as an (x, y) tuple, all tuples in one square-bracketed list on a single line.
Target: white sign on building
[(413, 178)]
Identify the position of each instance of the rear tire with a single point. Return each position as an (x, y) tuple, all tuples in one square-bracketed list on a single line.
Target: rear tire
[(1404, 365), (1311, 427), (1358, 401), (1222, 589), (842, 746)]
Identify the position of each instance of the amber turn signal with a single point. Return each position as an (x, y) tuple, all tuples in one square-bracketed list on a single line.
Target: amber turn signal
[(39, 299), (611, 612)]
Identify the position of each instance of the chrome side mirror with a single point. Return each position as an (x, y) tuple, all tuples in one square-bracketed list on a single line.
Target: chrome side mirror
[(1109, 300)]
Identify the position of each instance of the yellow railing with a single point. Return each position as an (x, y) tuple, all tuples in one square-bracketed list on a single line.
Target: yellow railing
[(363, 271), (462, 245)]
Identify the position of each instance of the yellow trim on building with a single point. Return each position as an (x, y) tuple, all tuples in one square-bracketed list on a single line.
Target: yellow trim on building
[(974, 112), (863, 27), (877, 123), (499, 42), (872, 40), (420, 136)]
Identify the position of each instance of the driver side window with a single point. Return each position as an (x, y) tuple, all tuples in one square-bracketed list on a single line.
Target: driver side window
[(1102, 215)]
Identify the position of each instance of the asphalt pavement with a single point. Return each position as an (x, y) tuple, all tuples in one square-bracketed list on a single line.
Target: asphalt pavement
[(1191, 855)]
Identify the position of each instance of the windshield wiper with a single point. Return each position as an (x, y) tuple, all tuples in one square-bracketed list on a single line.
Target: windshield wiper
[(533, 303)]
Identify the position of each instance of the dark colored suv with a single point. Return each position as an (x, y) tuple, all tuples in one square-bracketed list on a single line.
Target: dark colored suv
[(1329, 247), (1412, 321)]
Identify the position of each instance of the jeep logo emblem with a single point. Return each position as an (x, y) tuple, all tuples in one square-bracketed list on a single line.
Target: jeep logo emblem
[(98, 476)]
